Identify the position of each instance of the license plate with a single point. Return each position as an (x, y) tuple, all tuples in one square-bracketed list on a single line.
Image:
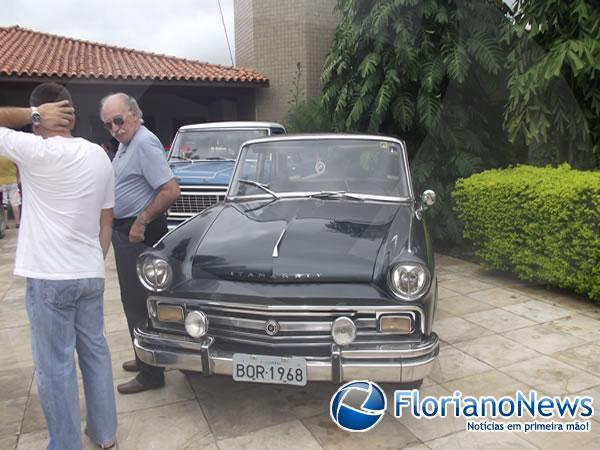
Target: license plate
[(269, 369)]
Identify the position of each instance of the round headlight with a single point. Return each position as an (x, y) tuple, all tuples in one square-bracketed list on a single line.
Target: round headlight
[(408, 280), (155, 273), (343, 331), (196, 324)]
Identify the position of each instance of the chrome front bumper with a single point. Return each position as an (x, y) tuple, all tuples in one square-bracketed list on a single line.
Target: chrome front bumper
[(390, 363)]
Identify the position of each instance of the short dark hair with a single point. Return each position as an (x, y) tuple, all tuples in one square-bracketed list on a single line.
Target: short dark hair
[(49, 93)]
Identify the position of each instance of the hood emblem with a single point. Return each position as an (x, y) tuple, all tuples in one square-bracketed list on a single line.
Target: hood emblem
[(271, 327)]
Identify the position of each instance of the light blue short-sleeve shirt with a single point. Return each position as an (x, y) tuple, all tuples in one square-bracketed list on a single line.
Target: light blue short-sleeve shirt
[(141, 168)]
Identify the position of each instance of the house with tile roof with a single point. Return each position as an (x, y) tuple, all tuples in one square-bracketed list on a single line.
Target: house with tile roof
[(171, 91)]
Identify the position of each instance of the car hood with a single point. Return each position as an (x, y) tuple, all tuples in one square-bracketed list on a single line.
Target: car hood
[(297, 240), (203, 172)]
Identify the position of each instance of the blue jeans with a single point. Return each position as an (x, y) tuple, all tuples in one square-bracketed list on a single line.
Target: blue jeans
[(64, 316)]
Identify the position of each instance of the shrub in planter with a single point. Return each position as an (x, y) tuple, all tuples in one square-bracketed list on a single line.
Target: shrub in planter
[(543, 224)]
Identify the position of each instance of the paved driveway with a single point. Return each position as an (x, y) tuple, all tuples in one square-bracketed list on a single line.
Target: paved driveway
[(498, 336)]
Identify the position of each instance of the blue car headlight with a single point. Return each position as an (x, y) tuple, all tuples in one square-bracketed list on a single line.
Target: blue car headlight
[(408, 281), (154, 273)]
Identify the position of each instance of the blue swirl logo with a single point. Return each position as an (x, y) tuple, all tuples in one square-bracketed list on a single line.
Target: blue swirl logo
[(358, 406)]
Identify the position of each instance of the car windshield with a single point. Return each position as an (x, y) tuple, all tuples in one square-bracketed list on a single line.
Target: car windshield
[(211, 144), (322, 168)]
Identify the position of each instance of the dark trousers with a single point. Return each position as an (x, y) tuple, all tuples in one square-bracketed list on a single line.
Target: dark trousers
[(133, 294)]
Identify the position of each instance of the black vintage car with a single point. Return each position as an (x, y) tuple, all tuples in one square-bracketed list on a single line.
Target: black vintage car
[(318, 266)]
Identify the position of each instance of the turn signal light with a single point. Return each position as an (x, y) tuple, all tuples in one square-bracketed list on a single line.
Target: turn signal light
[(169, 313), (396, 324)]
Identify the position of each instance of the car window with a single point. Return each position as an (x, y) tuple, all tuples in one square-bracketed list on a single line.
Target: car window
[(212, 144), (357, 166)]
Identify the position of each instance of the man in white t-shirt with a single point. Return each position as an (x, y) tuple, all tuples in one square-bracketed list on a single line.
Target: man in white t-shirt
[(66, 227)]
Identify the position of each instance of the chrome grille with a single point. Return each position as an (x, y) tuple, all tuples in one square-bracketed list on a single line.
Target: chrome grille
[(194, 200), (299, 328), (193, 204)]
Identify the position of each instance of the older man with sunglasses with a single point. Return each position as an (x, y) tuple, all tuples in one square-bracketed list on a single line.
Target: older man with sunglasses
[(144, 189)]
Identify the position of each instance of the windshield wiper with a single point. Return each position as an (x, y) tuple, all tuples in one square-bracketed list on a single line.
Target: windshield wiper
[(256, 208), (218, 158), (261, 186), (334, 195)]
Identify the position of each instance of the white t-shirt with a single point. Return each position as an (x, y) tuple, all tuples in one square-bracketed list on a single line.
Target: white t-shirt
[(66, 183)]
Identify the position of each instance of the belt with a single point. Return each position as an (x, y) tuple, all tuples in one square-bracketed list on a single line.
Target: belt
[(124, 221), (130, 220)]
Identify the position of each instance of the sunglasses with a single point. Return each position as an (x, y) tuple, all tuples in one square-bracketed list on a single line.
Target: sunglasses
[(118, 121)]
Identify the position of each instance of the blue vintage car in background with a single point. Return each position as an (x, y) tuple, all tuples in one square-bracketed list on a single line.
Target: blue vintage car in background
[(202, 158)]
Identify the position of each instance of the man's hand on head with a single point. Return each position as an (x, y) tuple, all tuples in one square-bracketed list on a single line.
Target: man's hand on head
[(57, 116)]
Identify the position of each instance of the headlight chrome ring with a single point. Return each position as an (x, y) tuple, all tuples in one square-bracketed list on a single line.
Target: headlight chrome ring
[(408, 281), (155, 273)]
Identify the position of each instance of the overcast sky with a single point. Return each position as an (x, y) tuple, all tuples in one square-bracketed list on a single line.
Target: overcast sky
[(186, 28)]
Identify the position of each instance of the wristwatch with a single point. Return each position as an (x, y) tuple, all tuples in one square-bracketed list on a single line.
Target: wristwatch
[(36, 117), (142, 221)]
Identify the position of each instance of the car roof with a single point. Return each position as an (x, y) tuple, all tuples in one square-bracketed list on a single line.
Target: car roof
[(231, 124), (328, 136)]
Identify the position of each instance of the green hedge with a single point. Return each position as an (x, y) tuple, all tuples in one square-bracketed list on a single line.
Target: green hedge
[(543, 224)]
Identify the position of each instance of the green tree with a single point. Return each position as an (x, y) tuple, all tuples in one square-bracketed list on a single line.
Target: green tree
[(431, 72), (297, 93), (308, 117), (554, 80), (305, 115)]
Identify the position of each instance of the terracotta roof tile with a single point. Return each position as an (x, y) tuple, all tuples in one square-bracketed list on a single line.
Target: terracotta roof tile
[(26, 53)]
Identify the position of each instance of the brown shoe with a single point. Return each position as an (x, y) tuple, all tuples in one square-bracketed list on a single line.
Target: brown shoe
[(134, 386), (131, 366)]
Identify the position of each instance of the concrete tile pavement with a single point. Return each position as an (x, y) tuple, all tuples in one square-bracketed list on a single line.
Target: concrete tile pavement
[(498, 335)]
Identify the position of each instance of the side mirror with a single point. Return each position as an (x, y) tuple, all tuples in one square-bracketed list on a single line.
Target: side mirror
[(427, 199)]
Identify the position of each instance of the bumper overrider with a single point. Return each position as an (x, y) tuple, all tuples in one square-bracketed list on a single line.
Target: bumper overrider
[(393, 363)]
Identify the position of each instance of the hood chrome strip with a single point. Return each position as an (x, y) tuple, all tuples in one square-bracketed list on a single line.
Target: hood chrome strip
[(276, 248)]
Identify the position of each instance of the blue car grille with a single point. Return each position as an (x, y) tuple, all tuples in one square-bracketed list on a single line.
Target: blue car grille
[(194, 200)]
